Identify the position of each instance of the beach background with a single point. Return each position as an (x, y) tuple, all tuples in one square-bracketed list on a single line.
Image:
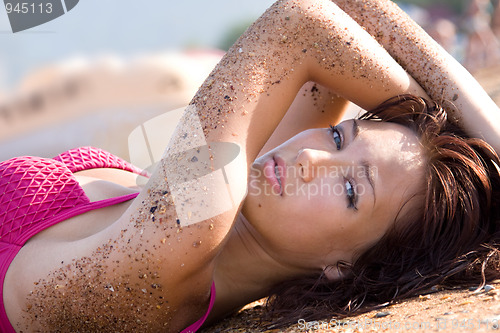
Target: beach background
[(90, 76), (95, 74)]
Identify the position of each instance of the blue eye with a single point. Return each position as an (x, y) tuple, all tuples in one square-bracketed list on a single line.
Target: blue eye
[(351, 195), (337, 137)]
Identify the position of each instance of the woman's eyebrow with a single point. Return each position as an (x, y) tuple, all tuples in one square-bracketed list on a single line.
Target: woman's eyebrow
[(368, 172), (355, 129), (367, 168)]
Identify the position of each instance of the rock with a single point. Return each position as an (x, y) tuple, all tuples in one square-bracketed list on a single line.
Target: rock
[(382, 314), (488, 288)]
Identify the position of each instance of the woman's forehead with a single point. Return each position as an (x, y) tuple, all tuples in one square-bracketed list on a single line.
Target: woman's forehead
[(393, 150), (383, 126)]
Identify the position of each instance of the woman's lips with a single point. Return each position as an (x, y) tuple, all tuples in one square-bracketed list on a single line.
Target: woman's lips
[(274, 171), (281, 168)]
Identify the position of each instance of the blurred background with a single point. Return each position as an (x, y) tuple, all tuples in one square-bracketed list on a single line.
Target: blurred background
[(94, 74)]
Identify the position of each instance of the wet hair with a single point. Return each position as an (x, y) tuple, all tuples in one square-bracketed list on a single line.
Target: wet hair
[(451, 237)]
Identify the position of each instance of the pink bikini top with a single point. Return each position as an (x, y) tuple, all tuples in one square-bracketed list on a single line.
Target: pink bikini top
[(36, 193)]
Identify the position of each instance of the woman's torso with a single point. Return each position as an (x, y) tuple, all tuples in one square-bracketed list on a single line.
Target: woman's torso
[(76, 237)]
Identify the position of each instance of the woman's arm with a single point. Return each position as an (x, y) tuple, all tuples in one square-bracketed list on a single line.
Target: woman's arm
[(442, 77), (241, 103), (248, 93), (179, 221)]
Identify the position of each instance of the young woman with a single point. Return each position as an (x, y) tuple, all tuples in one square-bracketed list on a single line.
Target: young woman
[(327, 215)]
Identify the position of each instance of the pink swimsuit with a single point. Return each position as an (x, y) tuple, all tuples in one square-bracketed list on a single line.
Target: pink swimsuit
[(36, 193)]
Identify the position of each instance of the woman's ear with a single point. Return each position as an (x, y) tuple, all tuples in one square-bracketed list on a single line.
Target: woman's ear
[(332, 272), (336, 272)]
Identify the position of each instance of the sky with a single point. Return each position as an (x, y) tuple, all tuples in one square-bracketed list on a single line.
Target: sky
[(120, 27)]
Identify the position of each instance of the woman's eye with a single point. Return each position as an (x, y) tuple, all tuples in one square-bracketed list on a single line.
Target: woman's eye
[(351, 195), (337, 138)]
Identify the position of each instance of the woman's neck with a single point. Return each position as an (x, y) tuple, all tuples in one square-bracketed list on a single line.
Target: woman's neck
[(245, 271)]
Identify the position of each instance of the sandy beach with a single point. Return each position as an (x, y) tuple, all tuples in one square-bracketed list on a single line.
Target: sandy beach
[(460, 310)]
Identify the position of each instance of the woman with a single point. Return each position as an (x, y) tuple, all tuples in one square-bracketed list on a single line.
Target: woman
[(327, 206)]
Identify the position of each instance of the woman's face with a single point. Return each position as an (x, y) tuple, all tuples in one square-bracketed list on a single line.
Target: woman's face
[(326, 194)]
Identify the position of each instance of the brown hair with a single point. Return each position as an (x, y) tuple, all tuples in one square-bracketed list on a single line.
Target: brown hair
[(452, 238)]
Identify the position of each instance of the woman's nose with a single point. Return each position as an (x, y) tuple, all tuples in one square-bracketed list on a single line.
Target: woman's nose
[(311, 162)]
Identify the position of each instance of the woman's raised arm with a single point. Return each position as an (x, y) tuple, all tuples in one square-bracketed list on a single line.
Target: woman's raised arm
[(202, 177), (442, 77), (177, 224)]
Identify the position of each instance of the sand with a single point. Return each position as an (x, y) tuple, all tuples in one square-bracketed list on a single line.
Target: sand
[(459, 310)]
